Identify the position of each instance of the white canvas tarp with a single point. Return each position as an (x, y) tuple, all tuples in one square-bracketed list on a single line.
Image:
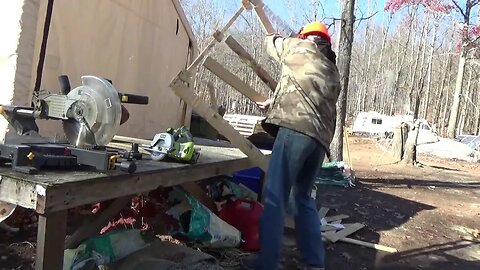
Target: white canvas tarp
[(140, 45)]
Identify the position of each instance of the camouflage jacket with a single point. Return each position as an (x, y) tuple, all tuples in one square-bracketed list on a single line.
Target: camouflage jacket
[(306, 95)]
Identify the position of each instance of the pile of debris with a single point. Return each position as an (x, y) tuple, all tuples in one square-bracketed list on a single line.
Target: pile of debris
[(333, 230)]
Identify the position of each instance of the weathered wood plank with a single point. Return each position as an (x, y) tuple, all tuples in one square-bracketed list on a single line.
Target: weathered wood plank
[(349, 229), (267, 25), (337, 217), (79, 193), (323, 212), (70, 189), (217, 69), (19, 192), (220, 124), (197, 192), (290, 224), (369, 245), (218, 36), (251, 62), (52, 229)]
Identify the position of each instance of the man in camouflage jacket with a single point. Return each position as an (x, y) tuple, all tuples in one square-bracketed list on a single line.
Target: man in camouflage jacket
[(302, 120)]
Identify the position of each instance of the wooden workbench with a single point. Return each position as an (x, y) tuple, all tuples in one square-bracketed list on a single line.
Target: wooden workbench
[(51, 194)]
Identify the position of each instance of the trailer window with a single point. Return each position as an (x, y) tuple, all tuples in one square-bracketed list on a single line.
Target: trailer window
[(376, 121)]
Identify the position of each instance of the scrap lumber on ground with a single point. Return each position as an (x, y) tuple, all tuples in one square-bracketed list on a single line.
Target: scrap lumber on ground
[(335, 231)]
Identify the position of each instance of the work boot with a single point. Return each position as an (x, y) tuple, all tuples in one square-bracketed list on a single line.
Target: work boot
[(250, 263)]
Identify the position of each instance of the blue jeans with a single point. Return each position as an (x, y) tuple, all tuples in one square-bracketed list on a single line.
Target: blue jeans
[(294, 163)]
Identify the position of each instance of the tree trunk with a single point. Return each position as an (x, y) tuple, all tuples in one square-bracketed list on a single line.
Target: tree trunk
[(444, 114), (430, 71), (399, 141), (453, 121), (463, 115), (344, 59), (410, 156), (380, 60), (398, 69), (438, 105), (413, 93), (476, 126)]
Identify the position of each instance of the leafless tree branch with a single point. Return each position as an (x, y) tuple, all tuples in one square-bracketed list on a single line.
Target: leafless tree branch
[(459, 8), (366, 18)]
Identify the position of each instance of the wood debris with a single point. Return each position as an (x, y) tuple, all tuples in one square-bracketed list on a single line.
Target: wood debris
[(334, 230)]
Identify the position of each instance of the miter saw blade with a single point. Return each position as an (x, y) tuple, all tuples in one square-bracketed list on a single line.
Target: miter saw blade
[(94, 118)]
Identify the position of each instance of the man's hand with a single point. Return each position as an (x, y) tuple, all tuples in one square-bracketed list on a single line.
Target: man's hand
[(265, 105)]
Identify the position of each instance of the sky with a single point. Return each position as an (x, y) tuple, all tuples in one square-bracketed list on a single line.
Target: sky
[(332, 8), (292, 12)]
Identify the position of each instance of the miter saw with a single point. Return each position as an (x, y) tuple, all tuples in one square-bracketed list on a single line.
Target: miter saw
[(90, 115)]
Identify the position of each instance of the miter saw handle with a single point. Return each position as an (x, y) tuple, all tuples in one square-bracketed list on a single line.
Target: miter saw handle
[(64, 84), (133, 99)]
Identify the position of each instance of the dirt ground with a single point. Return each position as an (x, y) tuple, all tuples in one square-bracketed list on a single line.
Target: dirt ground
[(431, 214)]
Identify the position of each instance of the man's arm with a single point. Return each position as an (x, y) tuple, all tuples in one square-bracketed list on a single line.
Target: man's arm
[(275, 46)]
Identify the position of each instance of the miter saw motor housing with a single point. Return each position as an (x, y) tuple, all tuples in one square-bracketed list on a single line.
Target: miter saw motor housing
[(90, 115)]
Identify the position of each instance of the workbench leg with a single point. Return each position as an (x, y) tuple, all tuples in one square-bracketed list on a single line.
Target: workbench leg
[(52, 229)]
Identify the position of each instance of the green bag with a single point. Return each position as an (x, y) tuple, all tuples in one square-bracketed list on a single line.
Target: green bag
[(199, 224), (105, 249)]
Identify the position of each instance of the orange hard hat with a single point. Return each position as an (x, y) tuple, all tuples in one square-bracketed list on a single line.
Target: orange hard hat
[(315, 28)]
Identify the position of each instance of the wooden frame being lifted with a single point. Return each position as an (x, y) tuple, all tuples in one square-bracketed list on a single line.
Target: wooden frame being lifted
[(182, 84)]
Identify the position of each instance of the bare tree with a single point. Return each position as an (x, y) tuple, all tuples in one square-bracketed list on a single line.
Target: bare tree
[(390, 58), (466, 13), (344, 59)]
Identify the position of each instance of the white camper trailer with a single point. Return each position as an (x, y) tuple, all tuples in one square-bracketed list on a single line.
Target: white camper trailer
[(374, 123)]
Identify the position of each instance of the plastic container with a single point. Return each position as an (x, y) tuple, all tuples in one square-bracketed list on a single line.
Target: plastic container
[(249, 178), (245, 216)]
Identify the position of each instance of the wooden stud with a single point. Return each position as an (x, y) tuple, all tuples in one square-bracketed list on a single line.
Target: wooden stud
[(267, 25), (217, 69), (197, 192), (247, 5), (337, 217), (251, 62), (369, 245), (92, 228), (323, 212), (52, 229), (218, 36), (222, 126), (349, 229)]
